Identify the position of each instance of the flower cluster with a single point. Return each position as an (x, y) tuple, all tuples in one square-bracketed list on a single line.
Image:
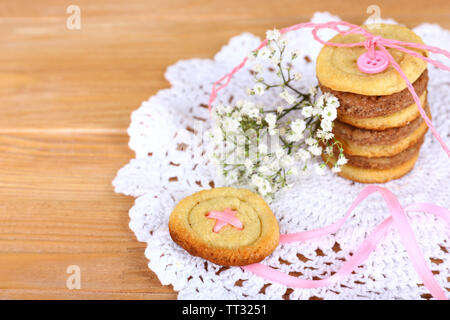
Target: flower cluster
[(260, 146)]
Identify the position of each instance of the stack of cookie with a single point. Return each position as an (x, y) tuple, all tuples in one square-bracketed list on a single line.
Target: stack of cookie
[(378, 123)]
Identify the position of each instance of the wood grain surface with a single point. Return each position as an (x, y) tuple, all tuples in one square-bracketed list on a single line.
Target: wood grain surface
[(65, 102)]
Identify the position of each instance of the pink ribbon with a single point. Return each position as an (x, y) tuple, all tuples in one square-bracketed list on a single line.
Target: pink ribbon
[(225, 217), (397, 218), (370, 43)]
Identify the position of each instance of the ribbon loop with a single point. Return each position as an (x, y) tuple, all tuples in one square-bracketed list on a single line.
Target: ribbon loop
[(370, 45)]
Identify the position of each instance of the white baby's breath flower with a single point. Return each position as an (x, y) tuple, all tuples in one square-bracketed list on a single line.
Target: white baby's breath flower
[(341, 160), (320, 102), (296, 53), (231, 177), (219, 109), (269, 161), (294, 171), (272, 49), (336, 169), (217, 135), (280, 110), (312, 91), (275, 60), (328, 136), (329, 150), (272, 131), (307, 111), (263, 186), (248, 164), (315, 150), (316, 111), (237, 115), (257, 67), (246, 104), (264, 53), (303, 155), (259, 89), (271, 119), (273, 34), (320, 133), (326, 125), (230, 124), (287, 96), (330, 100), (262, 148), (223, 109), (247, 107), (324, 135), (266, 188), (253, 113), (252, 55), (298, 126), (279, 153), (264, 170), (310, 141), (320, 169), (256, 180), (294, 137), (297, 76), (286, 161), (329, 113), (283, 41)]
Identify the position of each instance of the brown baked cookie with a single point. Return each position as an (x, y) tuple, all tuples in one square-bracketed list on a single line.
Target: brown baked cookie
[(369, 137), (386, 143), (375, 175), (362, 106), (385, 162), (384, 150), (337, 69), (394, 120), (227, 226)]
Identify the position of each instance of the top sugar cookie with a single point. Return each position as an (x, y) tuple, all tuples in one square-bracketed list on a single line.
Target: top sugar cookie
[(195, 224), (337, 68)]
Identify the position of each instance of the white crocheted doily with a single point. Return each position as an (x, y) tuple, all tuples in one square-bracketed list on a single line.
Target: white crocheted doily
[(171, 164)]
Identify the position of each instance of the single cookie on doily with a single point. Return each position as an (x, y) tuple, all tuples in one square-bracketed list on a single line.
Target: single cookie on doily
[(227, 226)]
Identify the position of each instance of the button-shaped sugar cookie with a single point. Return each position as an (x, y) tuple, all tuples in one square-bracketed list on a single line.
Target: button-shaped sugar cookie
[(227, 226), (337, 67)]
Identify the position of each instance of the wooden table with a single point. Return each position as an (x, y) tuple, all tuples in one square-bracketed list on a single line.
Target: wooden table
[(65, 103)]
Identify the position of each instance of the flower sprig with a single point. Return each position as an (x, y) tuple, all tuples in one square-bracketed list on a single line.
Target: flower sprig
[(261, 146)]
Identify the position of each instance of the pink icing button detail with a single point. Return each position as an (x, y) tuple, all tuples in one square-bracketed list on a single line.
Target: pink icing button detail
[(225, 217), (376, 63)]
